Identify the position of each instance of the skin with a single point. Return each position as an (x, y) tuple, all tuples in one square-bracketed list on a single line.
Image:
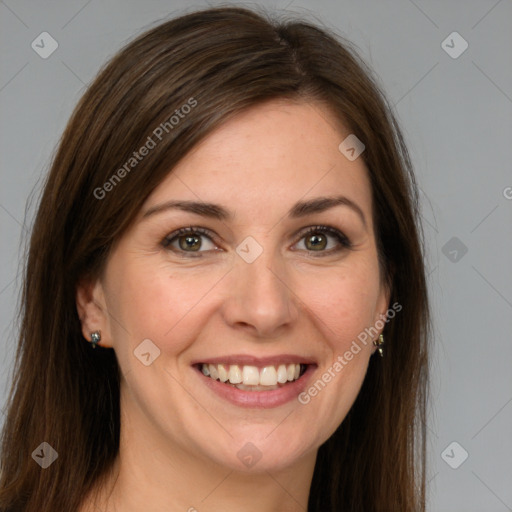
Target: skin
[(179, 440)]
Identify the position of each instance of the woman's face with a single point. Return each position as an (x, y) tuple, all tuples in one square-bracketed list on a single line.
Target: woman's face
[(249, 289)]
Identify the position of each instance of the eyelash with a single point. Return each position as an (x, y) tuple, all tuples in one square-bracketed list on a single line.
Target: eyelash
[(344, 242)]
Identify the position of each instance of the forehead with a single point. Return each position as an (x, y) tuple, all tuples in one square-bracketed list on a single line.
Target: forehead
[(278, 152)]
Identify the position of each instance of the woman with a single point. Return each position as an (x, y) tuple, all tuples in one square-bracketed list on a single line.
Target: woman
[(226, 245)]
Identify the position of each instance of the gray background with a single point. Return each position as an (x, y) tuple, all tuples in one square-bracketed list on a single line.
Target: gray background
[(456, 114)]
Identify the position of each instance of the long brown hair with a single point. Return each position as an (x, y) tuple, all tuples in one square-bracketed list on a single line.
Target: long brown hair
[(224, 60)]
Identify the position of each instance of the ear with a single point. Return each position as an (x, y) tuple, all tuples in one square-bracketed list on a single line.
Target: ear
[(382, 307), (92, 310)]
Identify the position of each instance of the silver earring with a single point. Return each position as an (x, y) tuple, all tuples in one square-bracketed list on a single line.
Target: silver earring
[(378, 343), (95, 338)]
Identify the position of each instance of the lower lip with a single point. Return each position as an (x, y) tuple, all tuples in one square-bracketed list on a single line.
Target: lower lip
[(259, 399)]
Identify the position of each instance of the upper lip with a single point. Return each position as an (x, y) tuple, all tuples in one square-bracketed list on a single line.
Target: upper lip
[(245, 359)]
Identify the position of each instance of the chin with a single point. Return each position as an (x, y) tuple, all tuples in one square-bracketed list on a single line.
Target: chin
[(258, 450)]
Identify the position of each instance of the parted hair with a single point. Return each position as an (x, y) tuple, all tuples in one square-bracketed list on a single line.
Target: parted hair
[(226, 59)]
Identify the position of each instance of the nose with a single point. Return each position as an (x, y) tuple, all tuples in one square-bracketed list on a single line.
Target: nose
[(260, 297)]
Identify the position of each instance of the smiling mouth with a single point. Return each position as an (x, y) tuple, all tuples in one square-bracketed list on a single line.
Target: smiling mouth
[(252, 378)]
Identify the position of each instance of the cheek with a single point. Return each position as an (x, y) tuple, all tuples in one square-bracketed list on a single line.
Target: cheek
[(345, 304), (342, 309), (157, 302)]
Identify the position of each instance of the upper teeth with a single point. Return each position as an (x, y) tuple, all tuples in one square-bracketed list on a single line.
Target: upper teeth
[(252, 375)]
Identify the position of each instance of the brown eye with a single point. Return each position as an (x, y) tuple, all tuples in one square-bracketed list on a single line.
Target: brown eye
[(324, 240), (189, 240), (316, 242)]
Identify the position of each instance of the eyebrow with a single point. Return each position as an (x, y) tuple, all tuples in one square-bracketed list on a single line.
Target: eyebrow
[(215, 211)]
